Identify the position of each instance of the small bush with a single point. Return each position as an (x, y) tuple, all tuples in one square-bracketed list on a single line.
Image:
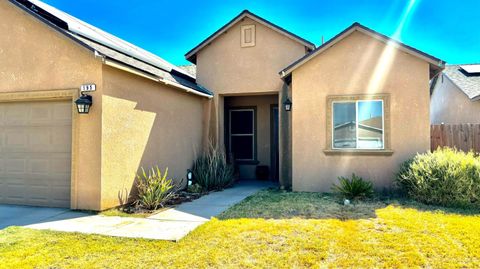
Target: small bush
[(355, 188), (154, 189), (211, 171), (445, 177)]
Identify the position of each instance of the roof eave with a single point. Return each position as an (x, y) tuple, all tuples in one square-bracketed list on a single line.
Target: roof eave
[(106, 59), (131, 69), (476, 98), (434, 62), (52, 25)]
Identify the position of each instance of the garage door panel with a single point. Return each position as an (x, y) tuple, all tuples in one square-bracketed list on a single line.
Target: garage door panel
[(35, 153), (60, 115), (48, 140), (15, 166), (14, 115)]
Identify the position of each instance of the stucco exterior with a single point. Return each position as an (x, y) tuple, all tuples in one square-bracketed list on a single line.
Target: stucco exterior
[(450, 105), (133, 122), (228, 69), (37, 59), (348, 69), (145, 124), (137, 121)]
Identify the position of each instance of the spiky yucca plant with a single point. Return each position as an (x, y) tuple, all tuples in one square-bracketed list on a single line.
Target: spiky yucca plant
[(211, 170), (154, 189), (354, 188)]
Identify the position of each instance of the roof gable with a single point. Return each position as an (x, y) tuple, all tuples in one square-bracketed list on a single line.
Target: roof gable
[(436, 65), (191, 55)]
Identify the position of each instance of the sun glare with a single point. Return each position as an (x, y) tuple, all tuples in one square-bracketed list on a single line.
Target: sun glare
[(386, 59)]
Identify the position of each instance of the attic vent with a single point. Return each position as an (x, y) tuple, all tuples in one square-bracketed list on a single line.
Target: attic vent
[(247, 36), (471, 69)]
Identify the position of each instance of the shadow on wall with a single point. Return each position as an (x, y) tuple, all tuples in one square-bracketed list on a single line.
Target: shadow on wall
[(144, 135), (125, 136)]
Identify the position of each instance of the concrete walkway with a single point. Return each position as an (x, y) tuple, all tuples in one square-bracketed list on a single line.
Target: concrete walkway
[(172, 224)]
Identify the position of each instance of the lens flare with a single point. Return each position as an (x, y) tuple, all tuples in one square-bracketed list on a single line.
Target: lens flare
[(386, 59)]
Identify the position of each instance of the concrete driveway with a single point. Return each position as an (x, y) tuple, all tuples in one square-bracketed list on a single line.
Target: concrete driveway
[(14, 215), (172, 224)]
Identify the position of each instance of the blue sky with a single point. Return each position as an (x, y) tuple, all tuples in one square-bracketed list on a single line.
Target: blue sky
[(447, 29)]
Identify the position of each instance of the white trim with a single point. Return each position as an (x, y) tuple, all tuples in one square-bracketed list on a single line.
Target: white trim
[(252, 134), (357, 124)]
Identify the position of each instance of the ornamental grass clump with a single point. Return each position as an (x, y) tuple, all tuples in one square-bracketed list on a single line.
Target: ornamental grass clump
[(355, 188), (446, 177), (154, 189), (212, 171)]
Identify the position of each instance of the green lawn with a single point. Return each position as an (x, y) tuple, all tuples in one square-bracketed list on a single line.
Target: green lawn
[(273, 229)]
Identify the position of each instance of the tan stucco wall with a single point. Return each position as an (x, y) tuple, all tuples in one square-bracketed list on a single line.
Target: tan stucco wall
[(450, 105), (263, 105), (346, 69), (34, 57), (145, 123), (228, 69)]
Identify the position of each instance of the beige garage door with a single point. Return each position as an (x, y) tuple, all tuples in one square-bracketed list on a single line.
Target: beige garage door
[(35, 146)]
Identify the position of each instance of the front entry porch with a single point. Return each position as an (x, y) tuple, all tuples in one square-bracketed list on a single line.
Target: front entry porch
[(251, 136)]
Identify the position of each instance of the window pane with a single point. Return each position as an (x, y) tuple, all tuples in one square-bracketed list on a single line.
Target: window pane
[(370, 124), (344, 129), (242, 147), (241, 122)]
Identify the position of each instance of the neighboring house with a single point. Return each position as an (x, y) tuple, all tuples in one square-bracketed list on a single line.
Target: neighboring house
[(456, 95), (145, 111), (190, 69), (360, 105)]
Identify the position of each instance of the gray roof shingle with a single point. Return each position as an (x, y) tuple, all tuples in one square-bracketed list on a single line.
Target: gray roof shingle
[(189, 68), (468, 83)]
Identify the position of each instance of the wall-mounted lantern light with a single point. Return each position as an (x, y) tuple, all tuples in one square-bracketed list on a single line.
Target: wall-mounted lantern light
[(287, 105), (84, 102), (189, 177)]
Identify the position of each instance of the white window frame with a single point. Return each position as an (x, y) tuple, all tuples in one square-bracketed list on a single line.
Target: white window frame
[(356, 123), (253, 134)]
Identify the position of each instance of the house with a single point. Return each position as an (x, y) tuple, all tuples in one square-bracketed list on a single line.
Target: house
[(358, 103), (53, 156), (456, 95)]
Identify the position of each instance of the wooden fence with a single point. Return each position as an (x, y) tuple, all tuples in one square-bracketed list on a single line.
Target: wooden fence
[(465, 137)]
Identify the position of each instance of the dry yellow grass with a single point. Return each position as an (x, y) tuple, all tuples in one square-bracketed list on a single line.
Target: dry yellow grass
[(393, 237)]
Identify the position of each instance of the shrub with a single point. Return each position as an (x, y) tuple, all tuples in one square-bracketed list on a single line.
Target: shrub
[(211, 171), (445, 177), (354, 188), (154, 189)]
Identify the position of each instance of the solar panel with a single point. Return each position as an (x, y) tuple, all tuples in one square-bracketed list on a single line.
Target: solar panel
[(82, 28), (471, 68)]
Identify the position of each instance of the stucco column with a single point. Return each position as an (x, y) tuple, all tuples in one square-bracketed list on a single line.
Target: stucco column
[(284, 143)]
